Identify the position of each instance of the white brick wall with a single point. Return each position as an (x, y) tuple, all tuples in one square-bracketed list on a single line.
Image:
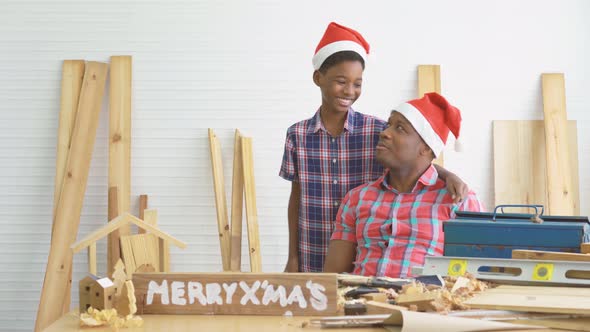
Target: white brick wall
[(247, 64)]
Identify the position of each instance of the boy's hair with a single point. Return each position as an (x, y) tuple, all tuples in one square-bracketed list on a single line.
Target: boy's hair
[(340, 57)]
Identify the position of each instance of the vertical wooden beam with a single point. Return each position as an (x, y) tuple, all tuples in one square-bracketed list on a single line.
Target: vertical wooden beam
[(559, 178), (69, 207), (220, 200), (92, 259), (429, 81), (143, 205), (237, 204), (113, 239), (251, 212), (120, 139), (71, 84)]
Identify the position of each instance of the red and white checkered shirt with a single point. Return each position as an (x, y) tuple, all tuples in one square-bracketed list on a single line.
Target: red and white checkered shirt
[(395, 231)]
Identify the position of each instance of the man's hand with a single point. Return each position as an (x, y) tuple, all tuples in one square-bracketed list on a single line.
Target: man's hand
[(292, 265), (457, 188)]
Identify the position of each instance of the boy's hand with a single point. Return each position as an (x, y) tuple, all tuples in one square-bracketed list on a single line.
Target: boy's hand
[(292, 265), (457, 188)]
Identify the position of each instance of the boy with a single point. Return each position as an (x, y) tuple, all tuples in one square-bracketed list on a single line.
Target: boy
[(334, 151), (387, 226)]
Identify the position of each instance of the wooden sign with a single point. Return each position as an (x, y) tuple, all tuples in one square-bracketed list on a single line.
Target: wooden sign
[(236, 293)]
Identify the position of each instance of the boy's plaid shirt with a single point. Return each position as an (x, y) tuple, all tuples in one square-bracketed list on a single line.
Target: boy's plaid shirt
[(327, 168), (394, 231)]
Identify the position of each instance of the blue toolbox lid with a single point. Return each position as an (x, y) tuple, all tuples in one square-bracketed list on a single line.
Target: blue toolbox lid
[(499, 228)]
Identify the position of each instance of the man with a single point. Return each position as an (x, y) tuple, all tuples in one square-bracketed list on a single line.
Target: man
[(385, 227)]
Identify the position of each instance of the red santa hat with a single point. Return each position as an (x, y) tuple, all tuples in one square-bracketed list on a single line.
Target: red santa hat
[(433, 117), (339, 38)]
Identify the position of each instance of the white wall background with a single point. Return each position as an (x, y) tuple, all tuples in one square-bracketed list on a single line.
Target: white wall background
[(247, 65)]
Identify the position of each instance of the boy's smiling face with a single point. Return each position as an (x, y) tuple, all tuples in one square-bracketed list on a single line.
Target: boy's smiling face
[(340, 85)]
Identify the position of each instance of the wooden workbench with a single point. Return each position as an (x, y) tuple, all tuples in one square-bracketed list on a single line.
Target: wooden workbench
[(181, 323)]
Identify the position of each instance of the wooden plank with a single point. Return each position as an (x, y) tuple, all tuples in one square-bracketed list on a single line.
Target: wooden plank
[(429, 81), (151, 217), (559, 177), (237, 204), (220, 200), (120, 141), (69, 207), (127, 253), (143, 205), (113, 244), (524, 181), (570, 324), (549, 255), (232, 293), (566, 300), (92, 259), (156, 231), (585, 248), (251, 211), (71, 84), (379, 308)]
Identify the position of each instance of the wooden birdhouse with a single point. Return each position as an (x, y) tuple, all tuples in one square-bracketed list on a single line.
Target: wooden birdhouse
[(96, 292)]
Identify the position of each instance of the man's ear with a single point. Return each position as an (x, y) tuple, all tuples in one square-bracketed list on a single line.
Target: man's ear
[(316, 77), (425, 150)]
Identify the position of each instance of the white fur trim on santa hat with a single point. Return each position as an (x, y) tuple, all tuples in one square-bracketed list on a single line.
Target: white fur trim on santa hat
[(422, 126), (344, 45)]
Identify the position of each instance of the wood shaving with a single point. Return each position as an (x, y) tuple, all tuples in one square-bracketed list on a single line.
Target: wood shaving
[(94, 317)]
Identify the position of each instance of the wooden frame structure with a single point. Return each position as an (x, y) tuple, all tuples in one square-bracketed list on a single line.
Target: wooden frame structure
[(123, 220)]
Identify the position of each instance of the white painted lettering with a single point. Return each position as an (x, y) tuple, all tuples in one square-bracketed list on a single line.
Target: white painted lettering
[(297, 296), (229, 291), (195, 290), (154, 288), (270, 295), (177, 291), (319, 300), (250, 293), (213, 293)]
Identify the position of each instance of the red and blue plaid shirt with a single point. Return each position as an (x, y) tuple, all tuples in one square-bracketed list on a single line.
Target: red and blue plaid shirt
[(327, 168), (395, 231)]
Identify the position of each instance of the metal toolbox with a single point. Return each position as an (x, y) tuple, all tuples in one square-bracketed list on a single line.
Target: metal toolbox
[(496, 234)]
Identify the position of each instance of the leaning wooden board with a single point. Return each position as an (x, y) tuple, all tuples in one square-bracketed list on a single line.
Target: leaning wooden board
[(566, 300), (520, 167)]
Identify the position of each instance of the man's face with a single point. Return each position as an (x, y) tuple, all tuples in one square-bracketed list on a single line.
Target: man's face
[(399, 144), (340, 85)]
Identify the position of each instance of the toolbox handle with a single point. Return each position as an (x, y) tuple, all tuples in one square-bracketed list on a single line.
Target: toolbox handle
[(536, 218)]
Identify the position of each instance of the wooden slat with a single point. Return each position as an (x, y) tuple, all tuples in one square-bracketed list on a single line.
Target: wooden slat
[(237, 204), (253, 293), (113, 244), (429, 81), (143, 205), (549, 255), (585, 248), (120, 139), (251, 211), (169, 238), (220, 200), (69, 207), (71, 84), (559, 177), (151, 217), (534, 299), (127, 253), (519, 163)]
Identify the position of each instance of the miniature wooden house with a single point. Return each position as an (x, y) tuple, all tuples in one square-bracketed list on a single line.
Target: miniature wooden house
[(96, 292)]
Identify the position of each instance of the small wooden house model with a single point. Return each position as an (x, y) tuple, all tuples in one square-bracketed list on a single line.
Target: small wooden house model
[(96, 292)]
